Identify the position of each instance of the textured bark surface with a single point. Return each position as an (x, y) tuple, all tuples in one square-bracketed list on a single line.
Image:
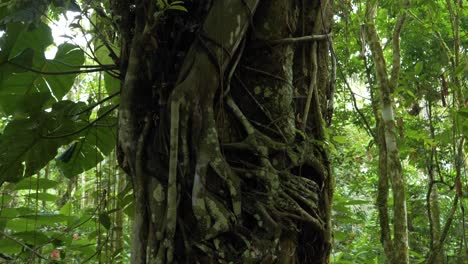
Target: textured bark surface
[(211, 137)]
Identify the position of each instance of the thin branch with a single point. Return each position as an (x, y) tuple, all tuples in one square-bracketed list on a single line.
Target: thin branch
[(93, 54), (265, 73), (104, 40), (300, 39), (262, 108), (96, 104), (396, 64), (22, 244), (69, 229), (356, 108), (312, 85), (234, 67), (81, 129), (439, 243), (332, 88), (249, 129), (55, 73), (104, 66)]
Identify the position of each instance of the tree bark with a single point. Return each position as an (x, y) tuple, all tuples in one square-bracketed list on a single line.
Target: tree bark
[(210, 137)]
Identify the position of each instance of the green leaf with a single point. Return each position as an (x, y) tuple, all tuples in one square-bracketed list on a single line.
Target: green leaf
[(340, 139), (8, 214), (130, 210), (32, 237), (67, 154), (48, 197), (20, 88), (105, 220), (24, 58), (177, 7), (46, 218), (28, 92), (34, 182), (27, 145), (418, 67), (20, 225), (463, 112), (19, 44), (67, 58), (66, 209), (8, 246), (92, 147), (69, 5), (19, 37), (460, 69), (112, 85), (357, 202), (25, 105), (89, 150), (20, 142)]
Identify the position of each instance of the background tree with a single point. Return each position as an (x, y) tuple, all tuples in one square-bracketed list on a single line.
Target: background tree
[(220, 122), (420, 103)]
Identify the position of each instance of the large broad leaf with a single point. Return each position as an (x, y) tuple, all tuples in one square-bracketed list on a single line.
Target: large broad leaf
[(24, 93), (27, 145), (25, 83), (70, 5), (112, 84), (68, 58), (9, 246), (23, 223), (32, 237), (35, 183), (92, 147), (19, 37), (19, 44), (22, 142)]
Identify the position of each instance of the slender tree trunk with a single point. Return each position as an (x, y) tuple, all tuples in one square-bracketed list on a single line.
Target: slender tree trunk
[(383, 182), (222, 167), (432, 198), (117, 241), (392, 166), (71, 184)]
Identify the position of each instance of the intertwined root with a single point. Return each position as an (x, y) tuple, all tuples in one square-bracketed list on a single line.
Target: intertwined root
[(274, 198)]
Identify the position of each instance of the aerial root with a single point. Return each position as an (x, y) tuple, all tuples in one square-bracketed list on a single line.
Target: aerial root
[(285, 203), (297, 195)]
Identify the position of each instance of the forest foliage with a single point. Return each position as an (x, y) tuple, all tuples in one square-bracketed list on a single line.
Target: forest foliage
[(63, 197)]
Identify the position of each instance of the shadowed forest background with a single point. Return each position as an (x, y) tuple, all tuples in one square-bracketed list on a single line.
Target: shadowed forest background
[(233, 131)]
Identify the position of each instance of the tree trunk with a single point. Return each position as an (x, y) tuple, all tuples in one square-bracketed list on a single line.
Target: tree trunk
[(118, 239), (210, 135), (432, 197), (392, 169), (383, 182)]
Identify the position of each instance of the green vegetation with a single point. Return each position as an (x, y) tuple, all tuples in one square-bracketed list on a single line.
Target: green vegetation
[(108, 121)]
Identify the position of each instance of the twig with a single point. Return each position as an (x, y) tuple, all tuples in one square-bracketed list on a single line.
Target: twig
[(312, 85), (55, 73), (361, 115), (234, 67), (300, 39), (22, 244), (81, 129), (265, 73), (96, 104)]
